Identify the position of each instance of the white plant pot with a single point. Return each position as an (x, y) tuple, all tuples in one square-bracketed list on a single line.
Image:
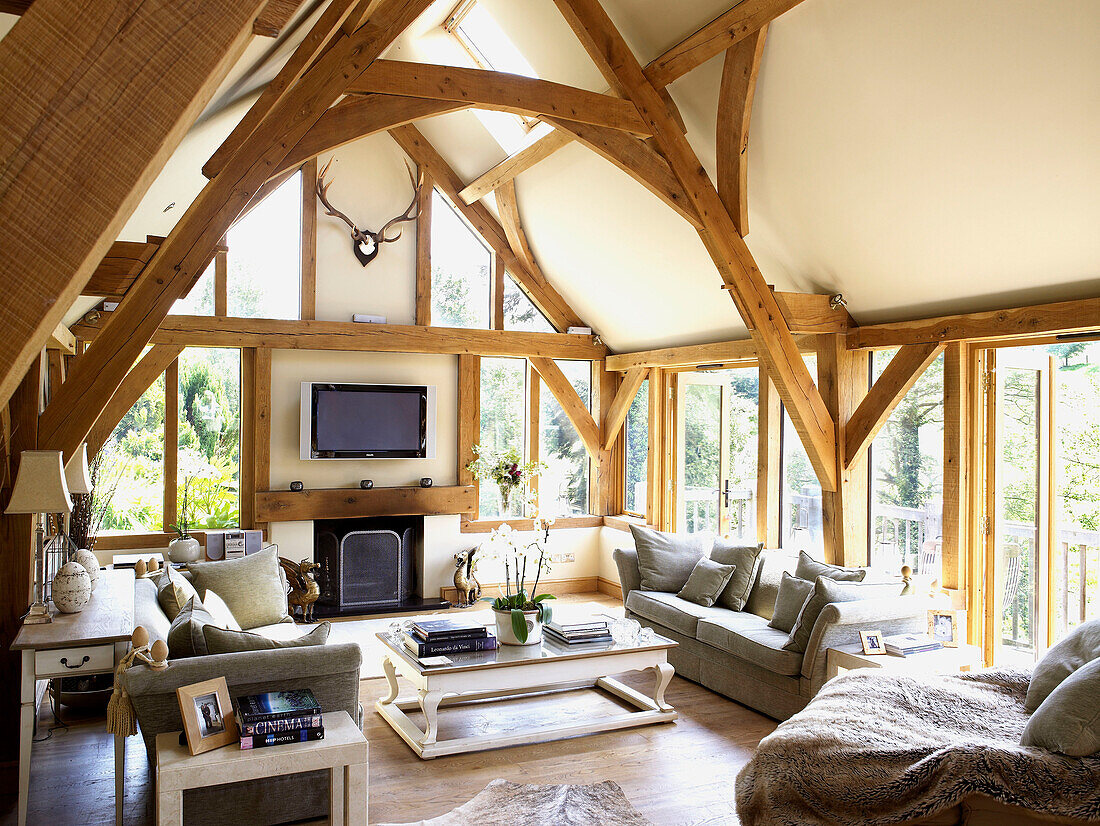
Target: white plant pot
[(507, 636), (90, 564), (72, 588), (186, 549)]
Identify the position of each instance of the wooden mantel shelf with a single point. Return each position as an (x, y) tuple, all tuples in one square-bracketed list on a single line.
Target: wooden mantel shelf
[(343, 503)]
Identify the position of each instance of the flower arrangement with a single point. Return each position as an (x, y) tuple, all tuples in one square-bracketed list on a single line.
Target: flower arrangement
[(505, 545), (181, 528), (506, 468)]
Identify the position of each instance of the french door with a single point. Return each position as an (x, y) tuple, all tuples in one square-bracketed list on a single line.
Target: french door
[(702, 463)]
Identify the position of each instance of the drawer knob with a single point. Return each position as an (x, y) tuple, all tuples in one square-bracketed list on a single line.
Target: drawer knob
[(65, 662)]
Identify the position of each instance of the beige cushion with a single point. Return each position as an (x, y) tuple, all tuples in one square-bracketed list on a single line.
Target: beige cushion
[(766, 588), (706, 582), (670, 611), (221, 641), (793, 593), (173, 592), (666, 560), (251, 586), (825, 592), (1078, 648), (748, 636), (217, 608), (810, 569), (747, 559), (185, 637), (1068, 720)]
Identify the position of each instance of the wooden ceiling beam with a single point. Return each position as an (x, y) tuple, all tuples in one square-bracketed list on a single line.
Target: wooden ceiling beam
[(907, 365), (620, 405), (274, 16), (508, 208), (86, 124), (738, 88), (63, 340), (752, 296), (533, 283), (214, 331), (513, 165), (483, 89), (133, 387), (98, 372), (571, 403), (727, 29), (696, 355)]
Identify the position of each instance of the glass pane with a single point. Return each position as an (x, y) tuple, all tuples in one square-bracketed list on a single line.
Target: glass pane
[(520, 313), (129, 471), (200, 301), (637, 452), (800, 502), (210, 437), (743, 389), (503, 384), (702, 464), (265, 258), (460, 271), (563, 486), (907, 477)]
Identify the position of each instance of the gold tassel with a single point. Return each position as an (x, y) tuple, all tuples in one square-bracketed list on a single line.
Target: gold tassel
[(121, 719)]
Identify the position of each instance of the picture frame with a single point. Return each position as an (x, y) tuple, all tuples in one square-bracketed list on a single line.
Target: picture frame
[(947, 626), (873, 642), (207, 712)]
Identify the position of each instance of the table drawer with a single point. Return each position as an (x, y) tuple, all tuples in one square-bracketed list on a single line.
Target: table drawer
[(64, 662)]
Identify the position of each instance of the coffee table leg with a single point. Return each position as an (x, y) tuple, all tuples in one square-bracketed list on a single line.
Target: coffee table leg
[(664, 673), (391, 678), (429, 704)]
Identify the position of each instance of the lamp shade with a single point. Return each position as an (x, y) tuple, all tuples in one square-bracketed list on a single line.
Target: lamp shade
[(77, 478), (40, 484)]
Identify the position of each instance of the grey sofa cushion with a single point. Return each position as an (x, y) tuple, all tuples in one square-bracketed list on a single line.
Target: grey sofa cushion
[(793, 593), (185, 637), (766, 588), (1076, 649), (665, 560), (706, 582), (173, 592), (147, 611), (747, 559), (1068, 720), (225, 641), (826, 591), (748, 636), (810, 569), (670, 611), (251, 586)]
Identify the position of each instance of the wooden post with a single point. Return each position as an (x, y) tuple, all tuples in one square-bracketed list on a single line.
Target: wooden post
[(248, 438), (602, 480), (262, 421), (496, 295), (221, 282), (424, 250), (469, 418), (956, 492), (654, 475), (534, 384), (171, 442), (309, 239), (768, 462)]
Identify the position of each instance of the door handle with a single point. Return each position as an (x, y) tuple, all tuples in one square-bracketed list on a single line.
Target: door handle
[(65, 662), (726, 492)]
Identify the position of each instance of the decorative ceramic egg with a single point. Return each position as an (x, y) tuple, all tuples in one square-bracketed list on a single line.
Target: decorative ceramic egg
[(72, 588), (88, 560)]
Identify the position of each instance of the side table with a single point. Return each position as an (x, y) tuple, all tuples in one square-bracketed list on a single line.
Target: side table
[(941, 661), (343, 752)]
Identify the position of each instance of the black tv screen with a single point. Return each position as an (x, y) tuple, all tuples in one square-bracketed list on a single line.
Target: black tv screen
[(369, 421)]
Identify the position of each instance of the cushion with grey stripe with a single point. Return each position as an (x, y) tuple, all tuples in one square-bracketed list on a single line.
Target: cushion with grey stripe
[(251, 586), (223, 641)]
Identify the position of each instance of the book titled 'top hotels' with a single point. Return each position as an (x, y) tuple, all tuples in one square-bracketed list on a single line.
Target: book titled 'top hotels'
[(277, 712)]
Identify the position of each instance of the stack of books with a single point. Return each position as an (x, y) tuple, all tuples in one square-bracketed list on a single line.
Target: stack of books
[(278, 717), (903, 645), (431, 638), (578, 633)]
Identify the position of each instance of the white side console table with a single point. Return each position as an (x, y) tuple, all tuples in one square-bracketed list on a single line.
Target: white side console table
[(343, 751), (91, 642)]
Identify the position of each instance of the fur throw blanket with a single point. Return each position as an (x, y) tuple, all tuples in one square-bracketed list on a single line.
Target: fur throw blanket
[(877, 748)]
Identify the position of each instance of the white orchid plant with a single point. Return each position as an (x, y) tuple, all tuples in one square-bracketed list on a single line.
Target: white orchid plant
[(504, 544)]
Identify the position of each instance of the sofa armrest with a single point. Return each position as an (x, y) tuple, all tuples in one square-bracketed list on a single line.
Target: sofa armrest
[(331, 672), (630, 578), (840, 623)]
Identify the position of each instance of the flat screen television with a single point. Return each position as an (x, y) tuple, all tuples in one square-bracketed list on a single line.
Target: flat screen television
[(367, 421)]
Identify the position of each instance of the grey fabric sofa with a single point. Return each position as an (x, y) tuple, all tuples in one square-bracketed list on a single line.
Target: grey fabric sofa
[(330, 671), (737, 654)]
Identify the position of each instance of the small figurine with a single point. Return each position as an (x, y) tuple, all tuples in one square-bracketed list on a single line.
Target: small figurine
[(469, 589), (907, 586), (303, 590)]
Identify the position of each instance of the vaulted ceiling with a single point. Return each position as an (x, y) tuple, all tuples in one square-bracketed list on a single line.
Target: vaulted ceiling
[(918, 157)]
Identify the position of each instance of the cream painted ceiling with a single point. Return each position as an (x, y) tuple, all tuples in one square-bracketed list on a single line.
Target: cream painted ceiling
[(921, 158)]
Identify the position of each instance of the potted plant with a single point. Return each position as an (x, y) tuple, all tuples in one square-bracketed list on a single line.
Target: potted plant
[(520, 615), (506, 469), (184, 548)]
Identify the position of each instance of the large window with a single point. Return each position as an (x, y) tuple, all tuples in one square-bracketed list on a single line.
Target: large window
[(461, 264), (503, 386), (636, 464), (800, 497), (907, 477), (563, 486), (520, 313)]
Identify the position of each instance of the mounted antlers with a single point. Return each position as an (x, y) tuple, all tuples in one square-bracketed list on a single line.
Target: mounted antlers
[(365, 244)]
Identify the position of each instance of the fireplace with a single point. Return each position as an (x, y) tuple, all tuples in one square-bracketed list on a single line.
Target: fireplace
[(369, 565)]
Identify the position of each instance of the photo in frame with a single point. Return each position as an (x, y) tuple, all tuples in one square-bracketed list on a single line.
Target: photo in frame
[(207, 712), (872, 642), (947, 626)]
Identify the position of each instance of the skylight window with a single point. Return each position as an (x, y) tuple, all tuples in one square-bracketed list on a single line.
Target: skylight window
[(491, 49)]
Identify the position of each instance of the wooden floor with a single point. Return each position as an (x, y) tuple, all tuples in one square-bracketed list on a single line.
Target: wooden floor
[(678, 773)]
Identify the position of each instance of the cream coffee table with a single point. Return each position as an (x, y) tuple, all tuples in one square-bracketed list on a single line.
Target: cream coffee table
[(513, 670)]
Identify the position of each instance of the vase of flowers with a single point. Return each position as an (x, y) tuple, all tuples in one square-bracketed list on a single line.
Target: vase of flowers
[(520, 615), (184, 548), (507, 470)]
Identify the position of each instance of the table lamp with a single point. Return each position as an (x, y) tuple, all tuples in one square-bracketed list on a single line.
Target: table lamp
[(40, 489)]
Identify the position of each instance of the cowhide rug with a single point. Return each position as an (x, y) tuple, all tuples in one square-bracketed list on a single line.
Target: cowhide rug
[(518, 804)]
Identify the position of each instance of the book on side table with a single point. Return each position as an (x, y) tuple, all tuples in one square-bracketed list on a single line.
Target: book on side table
[(278, 717)]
